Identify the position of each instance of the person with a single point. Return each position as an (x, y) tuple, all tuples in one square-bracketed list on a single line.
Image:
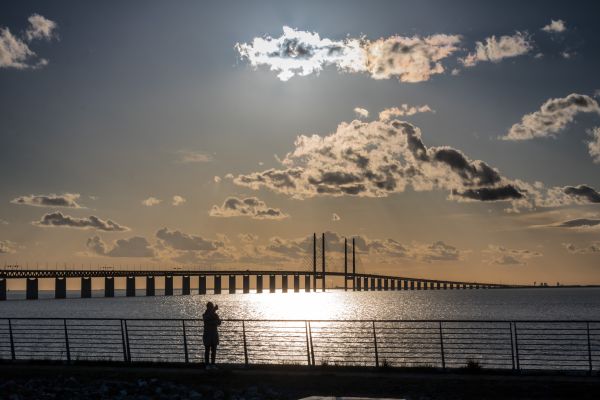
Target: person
[(210, 337)]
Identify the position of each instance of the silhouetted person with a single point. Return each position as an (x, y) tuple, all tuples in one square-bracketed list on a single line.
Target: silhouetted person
[(210, 338)]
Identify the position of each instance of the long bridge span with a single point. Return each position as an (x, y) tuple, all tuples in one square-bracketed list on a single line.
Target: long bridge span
[(313, 280)]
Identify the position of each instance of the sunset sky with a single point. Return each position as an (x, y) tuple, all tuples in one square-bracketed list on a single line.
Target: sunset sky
[(454, 140)]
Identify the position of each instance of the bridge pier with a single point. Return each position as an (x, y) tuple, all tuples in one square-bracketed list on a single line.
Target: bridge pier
[(392, 284), (168, 285), (379, 285), (109, 286), (150, 286), (425, 285), (259, 283), (386, 284), (272, 284), (296, 283), (86, 287), (185, 285), (438, 285), (2, 289), (130, 286), (366, 283), (60, 288), (307, 283), (284, 283), (246, 284), (358, 283), (217, 284), (202, 284), (231, 284)]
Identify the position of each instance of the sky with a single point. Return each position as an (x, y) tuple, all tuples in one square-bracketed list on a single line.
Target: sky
[(452, 140)]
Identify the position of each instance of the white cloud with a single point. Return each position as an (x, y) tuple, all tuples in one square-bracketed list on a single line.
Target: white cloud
[(495, 50), (7, 247), (67, 200), (500, 255), (151, 201), (335, 217), (40, 28), (248, 207), (361, 112), (14, 50), (302, 53), (592, 248), (403, 110), (594, 144), (178, 200), (553, 116), (132, 247), (58, 219), (190, 157), (217, 179), (557, 26)]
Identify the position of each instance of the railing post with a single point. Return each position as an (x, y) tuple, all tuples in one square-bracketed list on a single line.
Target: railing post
[(312, 349), (123, 343), (127, 341), (442, 347), (307, 343), (517, 347), (512, 345), (375, 343), (245, 344), (67, 341), (12, 341), (589, 347), (185, 346)]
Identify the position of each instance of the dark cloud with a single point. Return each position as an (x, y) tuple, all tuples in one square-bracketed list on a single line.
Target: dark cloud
[(508, 192), (583, 192), (579, 223), (132, 247), (49, 200), (251, 207), (91, 222), (182, 241), (500, 255), (592, 248)]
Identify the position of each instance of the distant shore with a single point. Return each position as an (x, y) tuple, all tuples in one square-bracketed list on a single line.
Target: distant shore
[(35, 381)]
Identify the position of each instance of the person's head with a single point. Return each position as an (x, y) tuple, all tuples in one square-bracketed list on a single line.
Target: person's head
[(210, 306)]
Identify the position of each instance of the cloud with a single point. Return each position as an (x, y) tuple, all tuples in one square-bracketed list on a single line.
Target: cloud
[(182, 241), (40, 28), (302, 53), (583, 192), (132, 247), (592, 248), (151, 201), (361, 112), (578, 223), (248, 237), (189, 157), (557, 26), (7, 247), (91, 222), (499, 255), (67, 200), (335, 217), (553, 116), (3, 222), (217, 179), (371, 159), (403, 110), (495, 50), (178, 200), (15, 51), (594, 144), (248, 207)]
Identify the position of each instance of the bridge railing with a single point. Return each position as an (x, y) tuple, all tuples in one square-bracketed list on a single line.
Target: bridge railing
[(511, 345)]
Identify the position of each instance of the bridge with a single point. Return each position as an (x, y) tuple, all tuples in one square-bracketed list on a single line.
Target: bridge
[(353, 280)]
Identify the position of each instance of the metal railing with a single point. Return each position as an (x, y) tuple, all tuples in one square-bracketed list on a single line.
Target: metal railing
[(512, 345)]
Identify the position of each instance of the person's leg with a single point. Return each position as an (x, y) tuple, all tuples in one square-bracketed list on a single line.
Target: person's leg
[(213, 353), (206, 352)]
